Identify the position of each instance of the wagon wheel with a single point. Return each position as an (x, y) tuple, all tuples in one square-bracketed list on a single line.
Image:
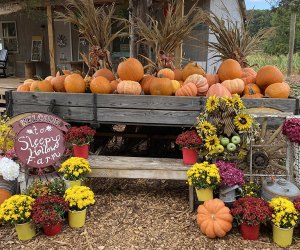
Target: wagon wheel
[(269, 144)]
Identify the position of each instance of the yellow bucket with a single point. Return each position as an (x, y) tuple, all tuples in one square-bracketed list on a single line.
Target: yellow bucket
[(282, 236), (77, 218), (25, 231), (72, 183), (204, 194)]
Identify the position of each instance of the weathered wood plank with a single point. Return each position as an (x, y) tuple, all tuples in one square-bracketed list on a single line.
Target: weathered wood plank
[(284, 105), (44, 98), (151, 117), (137, 163), (66, 113)]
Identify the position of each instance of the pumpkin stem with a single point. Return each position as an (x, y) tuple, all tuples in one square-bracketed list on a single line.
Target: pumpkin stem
[(213, 217), (38, 77), (60, 72)]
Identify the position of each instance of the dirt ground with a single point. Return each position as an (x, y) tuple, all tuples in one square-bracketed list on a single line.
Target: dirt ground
[(138, 214)]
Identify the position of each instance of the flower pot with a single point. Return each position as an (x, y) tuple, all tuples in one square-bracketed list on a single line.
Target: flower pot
[(76, 218), (228, 194), (204, 194), (189, 155), (282, 236), (72, 183), (249, 232), (81, 151), (25, 231), (51, 230)]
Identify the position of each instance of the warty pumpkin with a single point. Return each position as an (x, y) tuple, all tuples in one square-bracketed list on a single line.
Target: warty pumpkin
[(200, 82), (268, 75), (248, 75), (178, 74), (130, 69), (145, 83), (166, 73), (218, 90), (23, 88), (75, 84), (229, 69), (190, 69), (278, 90), (214, 218), (212, 79), (105, 73), (129, 88), (188, 89), (58, 83), (100, 85), (161, 86), (235, 86)]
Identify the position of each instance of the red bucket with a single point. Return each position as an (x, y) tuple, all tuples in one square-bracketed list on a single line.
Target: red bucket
[(81, 151), (249, 232), (51, 230), (190, 156)]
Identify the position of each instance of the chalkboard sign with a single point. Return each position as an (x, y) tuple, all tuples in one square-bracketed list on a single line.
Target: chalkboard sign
[(39, 140)]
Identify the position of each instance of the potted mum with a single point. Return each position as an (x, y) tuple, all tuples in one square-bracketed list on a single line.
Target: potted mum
[(284, 219), (79, 198), (250, 212), (48, 212), (231, 180), (74, 169), (190, 142), (204, 177), (17, 211), (80, 138)]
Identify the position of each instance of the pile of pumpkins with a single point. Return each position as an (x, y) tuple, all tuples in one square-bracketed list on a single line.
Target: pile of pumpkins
[(189, 81)]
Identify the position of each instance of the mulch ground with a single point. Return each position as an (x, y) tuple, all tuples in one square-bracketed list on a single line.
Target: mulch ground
[(138, 214)]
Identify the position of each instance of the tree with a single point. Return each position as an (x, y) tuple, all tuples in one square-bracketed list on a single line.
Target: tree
[(258, 19)]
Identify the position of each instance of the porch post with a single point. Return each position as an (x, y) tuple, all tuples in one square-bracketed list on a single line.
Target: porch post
[(51, 38), (178, 50)]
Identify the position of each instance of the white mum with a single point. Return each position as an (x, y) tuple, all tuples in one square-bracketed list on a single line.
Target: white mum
[(9, 169)]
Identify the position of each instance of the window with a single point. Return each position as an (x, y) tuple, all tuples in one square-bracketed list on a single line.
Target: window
[(9, 36), (83, 47)]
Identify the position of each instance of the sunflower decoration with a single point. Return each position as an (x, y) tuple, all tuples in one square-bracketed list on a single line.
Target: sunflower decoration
[(225, 127)]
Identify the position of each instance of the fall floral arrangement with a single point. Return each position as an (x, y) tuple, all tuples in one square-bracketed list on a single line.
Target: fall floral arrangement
[(230, 174), (251, 189), (284, 213), (225, 127), (80, 135), (79, 197), (39, 188), (189, 139), (203, 175), (49, 210), (16, 209), (291, 128), (9, 169), (251, 210), (75, 168)]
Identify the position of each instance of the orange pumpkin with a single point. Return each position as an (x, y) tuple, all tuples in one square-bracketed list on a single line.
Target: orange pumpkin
[(100, 85), (268, 75), (161, 86), (4, 194), (256, 95), (214, 218), (200, 82), (188, 89), (166, 73), (229, 69), (58, 83), (75, 84), (251, 89), (278, 90), (23, 88), (28, 82), (42, 86), (178, 74), (248, 75), (218, 90), (130, 69), (129, 88), (105, 73), (49, 78), (235, 86), (145, 83), (190, 69), (212, 79), (114, 84)]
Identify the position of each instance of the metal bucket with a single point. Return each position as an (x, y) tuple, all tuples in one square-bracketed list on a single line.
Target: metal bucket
[(10, 186)]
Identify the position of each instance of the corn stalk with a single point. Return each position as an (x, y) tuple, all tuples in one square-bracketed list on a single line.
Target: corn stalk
[(94, 24), (166, 35)]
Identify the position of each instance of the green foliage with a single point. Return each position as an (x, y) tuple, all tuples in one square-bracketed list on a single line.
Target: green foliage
[(259, 19)]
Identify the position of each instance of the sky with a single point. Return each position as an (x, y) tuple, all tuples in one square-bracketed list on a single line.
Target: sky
[(257, 4)]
